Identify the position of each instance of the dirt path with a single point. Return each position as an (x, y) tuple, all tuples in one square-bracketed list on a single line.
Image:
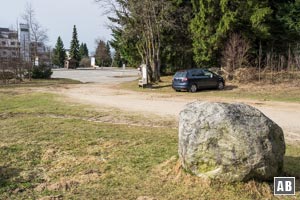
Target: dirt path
[(287, 115)]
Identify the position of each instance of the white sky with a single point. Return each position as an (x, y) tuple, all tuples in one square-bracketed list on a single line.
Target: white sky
[(59, 16)]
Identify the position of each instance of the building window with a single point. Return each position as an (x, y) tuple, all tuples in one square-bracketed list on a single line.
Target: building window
[(13, 53), (4, 53), (3, 43), (12, 43)]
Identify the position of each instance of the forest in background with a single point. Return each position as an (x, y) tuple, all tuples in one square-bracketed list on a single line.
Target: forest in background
[(245, 38)]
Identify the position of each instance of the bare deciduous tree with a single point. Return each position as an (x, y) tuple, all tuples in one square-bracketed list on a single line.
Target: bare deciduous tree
[(37, 32), (102, 56), (145, 21), (235, 54), (11, 67)]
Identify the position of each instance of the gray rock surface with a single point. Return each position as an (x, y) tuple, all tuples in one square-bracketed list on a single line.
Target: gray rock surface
[(229, 142)]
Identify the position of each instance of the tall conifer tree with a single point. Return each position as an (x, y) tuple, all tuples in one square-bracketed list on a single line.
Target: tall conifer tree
[(74, 50), (81, 51), (59, 53), (86, 51)]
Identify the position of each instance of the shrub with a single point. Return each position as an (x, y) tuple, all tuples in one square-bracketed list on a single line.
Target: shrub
[(245, 75), (85, 62), (41, 72), (6, 75)]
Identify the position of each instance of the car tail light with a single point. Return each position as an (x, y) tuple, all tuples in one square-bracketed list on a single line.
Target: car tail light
[(185, 79)]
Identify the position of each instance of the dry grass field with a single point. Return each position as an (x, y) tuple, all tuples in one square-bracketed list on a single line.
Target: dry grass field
[(286, 91), (51, 148)]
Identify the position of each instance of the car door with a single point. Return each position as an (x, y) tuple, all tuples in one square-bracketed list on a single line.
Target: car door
[(192, 76), (211, 79), (198, 78)]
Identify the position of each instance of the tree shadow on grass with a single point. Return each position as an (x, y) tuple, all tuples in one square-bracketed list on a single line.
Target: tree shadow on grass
[(160, 86), (7, 176), (226, 88), (230, 87), (292, 169), (157, 86)]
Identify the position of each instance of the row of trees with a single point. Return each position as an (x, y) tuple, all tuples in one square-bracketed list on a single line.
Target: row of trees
[(168, 35), (80, 53), (77, 51)]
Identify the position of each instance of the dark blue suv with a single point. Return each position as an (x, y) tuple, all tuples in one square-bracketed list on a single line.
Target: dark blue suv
[(194, 79)]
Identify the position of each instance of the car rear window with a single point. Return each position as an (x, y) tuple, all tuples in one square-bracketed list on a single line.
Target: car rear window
[(180, 74)]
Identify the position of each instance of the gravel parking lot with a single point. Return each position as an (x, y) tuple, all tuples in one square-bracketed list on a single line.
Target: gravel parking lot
[(105, 75), (285, 114)]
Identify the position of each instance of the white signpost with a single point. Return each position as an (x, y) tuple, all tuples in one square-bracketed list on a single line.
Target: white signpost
[(36, 61), (93, 62), (144, 81)]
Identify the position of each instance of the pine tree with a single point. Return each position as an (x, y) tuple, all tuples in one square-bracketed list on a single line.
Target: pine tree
[(81, 51), (59, 53), (86, 51), (74, 50), (117, 61), (215, 20), (109, 59)]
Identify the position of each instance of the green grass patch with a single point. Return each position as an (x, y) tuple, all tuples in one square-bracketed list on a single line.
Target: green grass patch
[(279, 92), (37, 103), (73, 158)]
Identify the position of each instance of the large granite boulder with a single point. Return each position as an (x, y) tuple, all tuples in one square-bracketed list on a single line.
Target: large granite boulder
[(229, 142)]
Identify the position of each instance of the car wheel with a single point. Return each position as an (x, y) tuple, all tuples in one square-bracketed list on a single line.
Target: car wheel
[(193, 88), (221, 85)]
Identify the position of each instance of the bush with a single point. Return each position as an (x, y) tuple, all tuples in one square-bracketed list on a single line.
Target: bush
[(85, 62), (245, 75), (41, 72), (6, 75)]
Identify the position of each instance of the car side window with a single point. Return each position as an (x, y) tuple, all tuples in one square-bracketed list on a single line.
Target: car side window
[(197, 72), (208, 73)]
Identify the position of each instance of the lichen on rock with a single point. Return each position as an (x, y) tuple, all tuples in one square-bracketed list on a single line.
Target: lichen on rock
[(229, 142)]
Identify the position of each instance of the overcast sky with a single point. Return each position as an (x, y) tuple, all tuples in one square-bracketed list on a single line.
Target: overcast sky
[(59, 16)]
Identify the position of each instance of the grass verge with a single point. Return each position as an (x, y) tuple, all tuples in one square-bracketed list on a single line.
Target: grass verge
[(285, 92), (50, 150)]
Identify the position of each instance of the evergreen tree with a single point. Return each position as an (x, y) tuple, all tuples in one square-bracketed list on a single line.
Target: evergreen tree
[(117, 61), (215, 20), (285, 27), (86, 51), (140, 31), (168, 35), (177, 51), (82, 51), (74, 50), (59, 53), (126, 47), (109, 59)]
